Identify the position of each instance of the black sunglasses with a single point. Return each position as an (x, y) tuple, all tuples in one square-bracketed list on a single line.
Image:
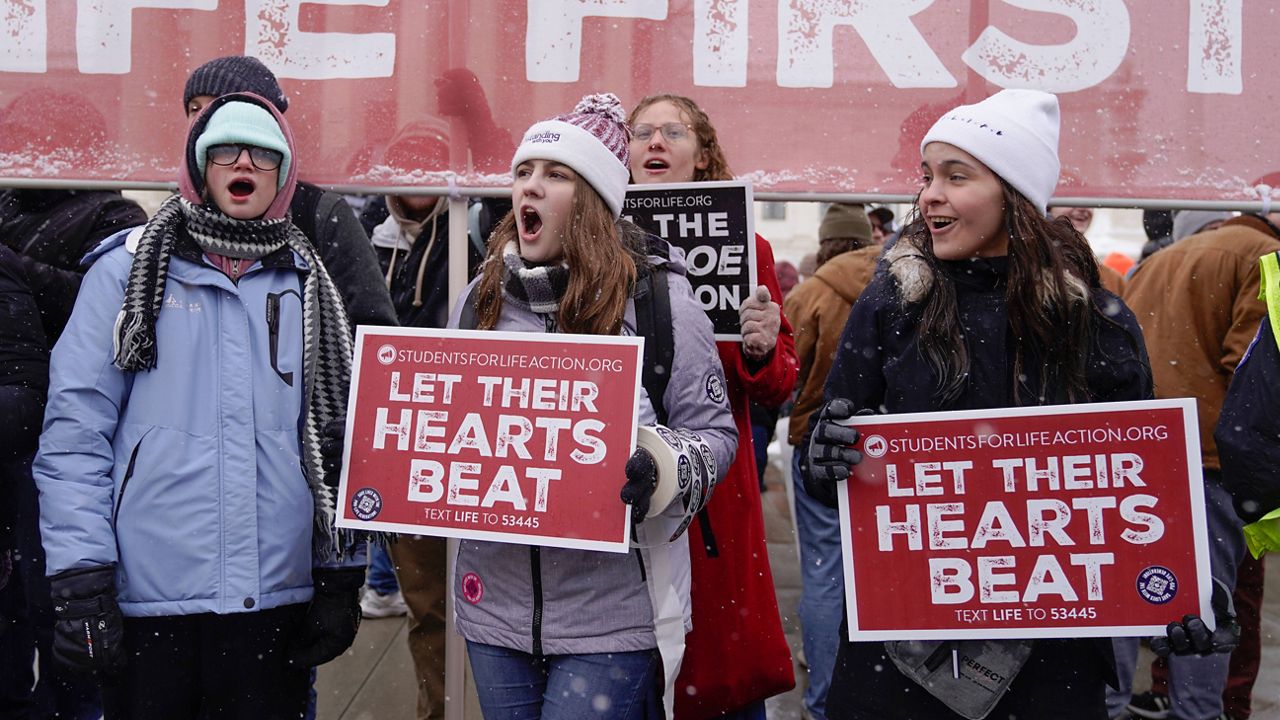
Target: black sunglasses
[(262, 158)]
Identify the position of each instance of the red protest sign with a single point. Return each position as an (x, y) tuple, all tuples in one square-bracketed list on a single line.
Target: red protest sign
[(1068, 521), (497, 436)]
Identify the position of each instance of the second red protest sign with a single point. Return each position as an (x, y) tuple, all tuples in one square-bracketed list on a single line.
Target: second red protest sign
[(1070, 521), (488, 435)]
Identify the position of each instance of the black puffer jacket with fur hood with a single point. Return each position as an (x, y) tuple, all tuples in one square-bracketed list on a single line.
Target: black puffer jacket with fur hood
[(880, 364)]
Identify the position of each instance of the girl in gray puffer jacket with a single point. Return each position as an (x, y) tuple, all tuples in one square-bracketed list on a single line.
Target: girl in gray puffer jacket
[(560, 633)]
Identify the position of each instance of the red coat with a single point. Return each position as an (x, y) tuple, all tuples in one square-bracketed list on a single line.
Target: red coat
[(737, 653)]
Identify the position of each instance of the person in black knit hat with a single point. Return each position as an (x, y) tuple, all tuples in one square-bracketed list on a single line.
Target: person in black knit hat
[(234, 73), (323, 216)]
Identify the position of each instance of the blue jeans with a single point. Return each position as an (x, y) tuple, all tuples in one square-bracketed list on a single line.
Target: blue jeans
[(382, 576), (1195, 683), (514, 685), (821, 590)]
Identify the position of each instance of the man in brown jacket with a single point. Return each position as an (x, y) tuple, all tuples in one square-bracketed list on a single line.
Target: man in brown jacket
[(818, 309), (1197, 302)]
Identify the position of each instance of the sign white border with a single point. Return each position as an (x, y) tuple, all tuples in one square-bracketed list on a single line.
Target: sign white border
[(363, 335), (753, 277), (1195, 481)]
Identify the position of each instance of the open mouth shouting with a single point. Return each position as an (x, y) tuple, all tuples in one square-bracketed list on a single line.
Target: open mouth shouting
[(530, 224), (655, 166), (241, 188)]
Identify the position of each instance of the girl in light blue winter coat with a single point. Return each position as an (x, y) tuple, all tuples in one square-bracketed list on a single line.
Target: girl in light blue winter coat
[(185, 512)]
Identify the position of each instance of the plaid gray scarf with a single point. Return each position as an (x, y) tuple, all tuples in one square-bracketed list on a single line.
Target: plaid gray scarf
[(327, 344), (536, 287)]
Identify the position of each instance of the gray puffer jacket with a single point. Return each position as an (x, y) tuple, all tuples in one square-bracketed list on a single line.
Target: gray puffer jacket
[(560, 601)]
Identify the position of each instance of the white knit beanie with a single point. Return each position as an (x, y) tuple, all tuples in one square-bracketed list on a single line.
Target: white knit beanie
[(1014, 133), (593, 140)]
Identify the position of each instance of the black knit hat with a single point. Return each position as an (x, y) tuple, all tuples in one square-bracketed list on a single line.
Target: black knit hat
[(234, 73)]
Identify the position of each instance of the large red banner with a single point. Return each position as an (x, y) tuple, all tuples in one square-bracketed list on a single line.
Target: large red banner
[(1072, 521), (492, 436), (1160, 100)]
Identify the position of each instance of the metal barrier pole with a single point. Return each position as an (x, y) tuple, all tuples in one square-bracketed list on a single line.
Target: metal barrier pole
[(455, 657), (1248, 206)]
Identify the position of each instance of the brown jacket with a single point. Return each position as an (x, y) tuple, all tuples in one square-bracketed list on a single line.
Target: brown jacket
[(1111, 280), (1197, 302), (818, 309)]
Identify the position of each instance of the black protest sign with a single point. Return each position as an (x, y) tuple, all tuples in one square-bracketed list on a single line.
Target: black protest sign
[(714, 224)]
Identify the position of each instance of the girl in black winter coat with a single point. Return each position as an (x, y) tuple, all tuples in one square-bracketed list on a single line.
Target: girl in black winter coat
[(984, 302)]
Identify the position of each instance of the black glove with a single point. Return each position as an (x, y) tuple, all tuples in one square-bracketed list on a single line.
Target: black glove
[(642, 480), (1192, 636), (333, 618), (88, 633), (831, 455), (332, 443)]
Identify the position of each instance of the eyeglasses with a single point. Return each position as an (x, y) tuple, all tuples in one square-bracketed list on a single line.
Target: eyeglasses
[(672, 131), (262, 158)]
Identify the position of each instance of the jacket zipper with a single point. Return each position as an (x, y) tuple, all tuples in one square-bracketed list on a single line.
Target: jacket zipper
[(535, 566), (124, 484)]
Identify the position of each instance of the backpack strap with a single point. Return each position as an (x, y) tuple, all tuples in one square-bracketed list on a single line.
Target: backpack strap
[(477, 232), (467, 319), (653, 322), (306, 201)]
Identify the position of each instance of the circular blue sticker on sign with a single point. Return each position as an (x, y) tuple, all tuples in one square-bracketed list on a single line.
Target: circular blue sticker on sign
[(366, 503), (1157, 585)]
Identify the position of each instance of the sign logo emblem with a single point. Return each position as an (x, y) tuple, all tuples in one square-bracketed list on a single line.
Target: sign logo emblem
[(366, 503), (387, 354), (1157, 585), (875, 446)]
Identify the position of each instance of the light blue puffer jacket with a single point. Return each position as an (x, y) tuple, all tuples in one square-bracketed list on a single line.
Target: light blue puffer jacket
[(188, 476)]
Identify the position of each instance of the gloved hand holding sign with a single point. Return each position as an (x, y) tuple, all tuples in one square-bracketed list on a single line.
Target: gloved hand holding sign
[(831, 454)]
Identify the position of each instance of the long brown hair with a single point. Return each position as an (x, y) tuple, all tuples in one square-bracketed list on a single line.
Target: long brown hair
[(602, 270), (1048, 297), (717, 166)]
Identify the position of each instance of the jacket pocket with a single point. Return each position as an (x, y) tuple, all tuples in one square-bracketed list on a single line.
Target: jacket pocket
[(273, 333), (128, 475)]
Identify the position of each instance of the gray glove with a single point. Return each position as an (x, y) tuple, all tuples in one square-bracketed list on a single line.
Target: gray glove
[(1192, 636), (831, 456)]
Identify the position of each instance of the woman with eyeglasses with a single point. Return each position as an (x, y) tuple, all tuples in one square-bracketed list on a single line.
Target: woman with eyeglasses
[(673, 141), (186, 513)]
